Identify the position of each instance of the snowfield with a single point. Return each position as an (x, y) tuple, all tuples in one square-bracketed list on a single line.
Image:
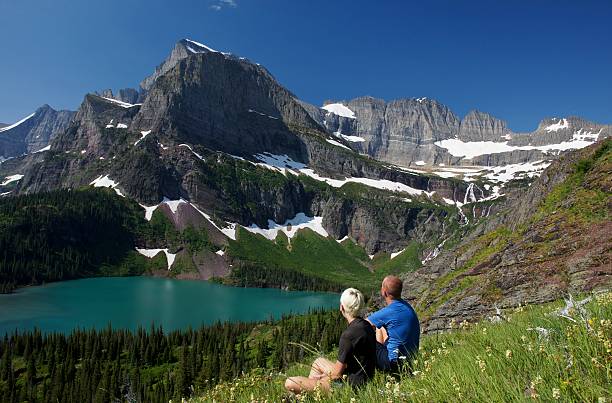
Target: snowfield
[(471, 149), (340, 110), (11, 179)]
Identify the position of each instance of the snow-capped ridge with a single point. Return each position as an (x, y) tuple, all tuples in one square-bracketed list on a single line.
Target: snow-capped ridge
[(16, 123)]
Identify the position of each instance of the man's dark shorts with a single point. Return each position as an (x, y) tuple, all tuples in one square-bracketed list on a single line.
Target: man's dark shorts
[(382, 359)]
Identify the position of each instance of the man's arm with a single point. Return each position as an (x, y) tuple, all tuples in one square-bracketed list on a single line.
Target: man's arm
[(376, 319)]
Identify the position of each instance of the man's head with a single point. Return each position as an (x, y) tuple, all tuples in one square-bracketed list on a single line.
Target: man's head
[(391, 288)]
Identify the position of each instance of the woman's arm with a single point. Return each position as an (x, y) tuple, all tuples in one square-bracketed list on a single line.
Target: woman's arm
[(334, 373)]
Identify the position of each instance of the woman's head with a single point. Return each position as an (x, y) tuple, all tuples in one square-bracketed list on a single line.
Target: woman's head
[(352, 302)]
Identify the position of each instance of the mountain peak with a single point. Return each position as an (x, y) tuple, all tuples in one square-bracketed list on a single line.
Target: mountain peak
[(183, 49), (197, 47)]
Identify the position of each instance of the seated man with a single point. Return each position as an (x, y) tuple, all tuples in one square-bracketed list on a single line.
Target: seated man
[(356, 351), (397, 327)]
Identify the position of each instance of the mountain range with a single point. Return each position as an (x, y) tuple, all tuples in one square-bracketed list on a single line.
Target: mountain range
[(362, 187)]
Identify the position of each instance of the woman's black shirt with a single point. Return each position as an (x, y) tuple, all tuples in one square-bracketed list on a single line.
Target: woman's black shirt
[(357, 349)]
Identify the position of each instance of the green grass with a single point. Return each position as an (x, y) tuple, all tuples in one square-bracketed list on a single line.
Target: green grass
[(308, 253), (507, 361), (576, 200), (408, 260)]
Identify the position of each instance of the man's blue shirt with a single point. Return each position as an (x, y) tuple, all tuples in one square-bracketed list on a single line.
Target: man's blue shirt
[(402, 325)]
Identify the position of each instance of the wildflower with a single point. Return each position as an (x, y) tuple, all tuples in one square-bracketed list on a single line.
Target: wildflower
[(508, 354), (484, 330), (556, 393), (489, 350), (481, 364), (455, 384)]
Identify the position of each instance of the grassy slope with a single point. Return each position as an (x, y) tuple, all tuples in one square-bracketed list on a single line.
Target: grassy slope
[(574, 206), (488, 362), (309, 253)]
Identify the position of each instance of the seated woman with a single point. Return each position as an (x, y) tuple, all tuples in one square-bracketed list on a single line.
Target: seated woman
[(356, 351)]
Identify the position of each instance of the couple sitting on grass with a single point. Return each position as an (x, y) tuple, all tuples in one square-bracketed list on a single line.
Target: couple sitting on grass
[(383, 340)]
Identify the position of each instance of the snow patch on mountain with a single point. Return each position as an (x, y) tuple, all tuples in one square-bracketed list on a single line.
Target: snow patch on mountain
[(16, 124), (262, 114), (47, 148), (290, 227), (285, 164), (143, 134), (340, 110), (201, 48), (229, 230), (191, 149), (120, 103), (11, 179), (562, 124), (471, 149), (106, 182), (516, 171), (151, 253), (353, 139), (334, 142)]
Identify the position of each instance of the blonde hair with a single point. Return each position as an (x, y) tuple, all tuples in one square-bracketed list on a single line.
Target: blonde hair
[(353, 302)]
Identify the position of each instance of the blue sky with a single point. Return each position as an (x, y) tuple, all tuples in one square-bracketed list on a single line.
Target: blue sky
[(518, 60)]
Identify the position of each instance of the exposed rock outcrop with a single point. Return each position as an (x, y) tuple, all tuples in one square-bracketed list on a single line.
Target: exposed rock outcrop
[(33, 133), (528, 251)]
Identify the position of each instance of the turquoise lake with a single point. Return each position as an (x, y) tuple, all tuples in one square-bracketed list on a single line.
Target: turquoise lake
[(130, 302)]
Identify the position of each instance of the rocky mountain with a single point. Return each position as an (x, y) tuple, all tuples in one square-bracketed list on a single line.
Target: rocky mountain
[(213, 142), (127, 95), (423, 132), (536, 246), (34, 132), (219, 132)]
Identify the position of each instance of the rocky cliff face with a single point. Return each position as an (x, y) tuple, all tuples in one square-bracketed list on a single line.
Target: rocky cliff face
[(127, 95), (480, 126), (223, 103), (33, 133), (410, 132)]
